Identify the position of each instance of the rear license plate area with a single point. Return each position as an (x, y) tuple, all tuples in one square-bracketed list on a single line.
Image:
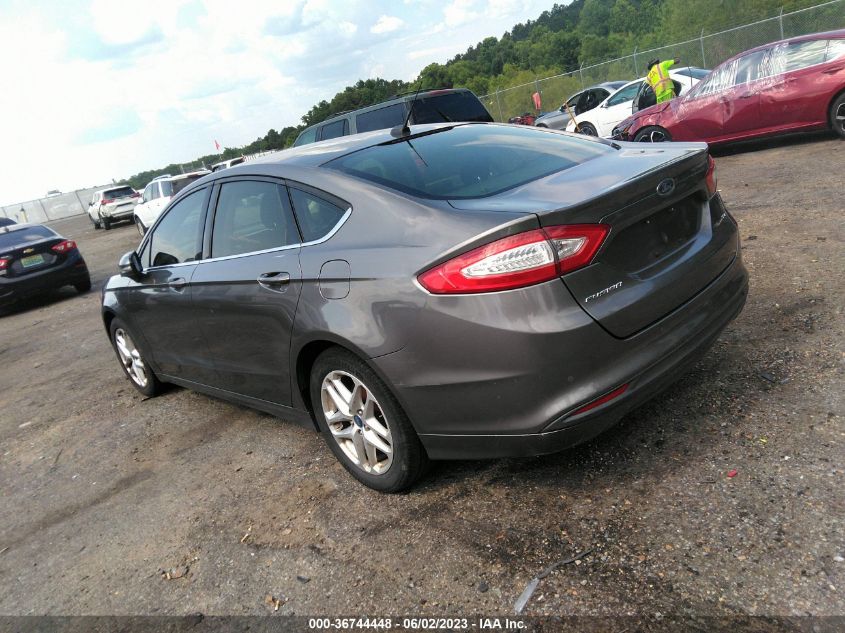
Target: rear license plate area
[(32, 260), (655, 237)]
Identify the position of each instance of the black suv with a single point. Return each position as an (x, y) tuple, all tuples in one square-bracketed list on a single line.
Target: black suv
[(430, 106)]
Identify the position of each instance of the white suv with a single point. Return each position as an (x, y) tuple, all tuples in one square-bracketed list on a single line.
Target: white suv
[(158, 193), (108, 206)]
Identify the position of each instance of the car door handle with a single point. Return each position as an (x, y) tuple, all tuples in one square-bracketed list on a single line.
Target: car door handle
[(177, 284), (832, 71), (748, 95), (274, 281)]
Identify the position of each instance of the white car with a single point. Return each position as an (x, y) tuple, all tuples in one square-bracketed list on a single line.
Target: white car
[(108, 206), (634, 95), (225, 164), (158, 193)]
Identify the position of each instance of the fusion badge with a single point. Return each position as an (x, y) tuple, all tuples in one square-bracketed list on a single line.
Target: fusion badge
[(604, 292)]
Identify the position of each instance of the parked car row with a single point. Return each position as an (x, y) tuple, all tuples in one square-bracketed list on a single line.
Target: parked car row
[(788, 86)]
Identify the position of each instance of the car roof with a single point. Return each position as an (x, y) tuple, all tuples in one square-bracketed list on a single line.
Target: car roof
[(405, 96), (826, 35)]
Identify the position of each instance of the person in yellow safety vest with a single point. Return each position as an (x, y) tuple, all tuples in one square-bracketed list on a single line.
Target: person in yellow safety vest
[(659, 80)]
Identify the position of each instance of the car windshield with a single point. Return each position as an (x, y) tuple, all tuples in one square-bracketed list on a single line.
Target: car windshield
[(19, 237), (120, 192), (468, 161)]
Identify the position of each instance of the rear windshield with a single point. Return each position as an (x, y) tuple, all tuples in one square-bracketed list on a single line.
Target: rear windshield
[(24, 236), (120, 192), (172, 187), (468, 161), (695, 73), (450, 107)]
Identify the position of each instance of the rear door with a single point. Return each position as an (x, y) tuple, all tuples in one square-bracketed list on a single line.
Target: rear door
[(793, 95), (246, 292), (740, 103)]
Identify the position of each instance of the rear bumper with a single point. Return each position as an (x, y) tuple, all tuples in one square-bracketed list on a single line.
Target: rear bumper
[(71, 272), (525, 386), (124, 213)]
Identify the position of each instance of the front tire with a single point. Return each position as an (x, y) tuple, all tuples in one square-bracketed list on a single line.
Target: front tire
[(140, 226), (134, 366), (587, 129), (363, 424), (652, 134), (837, 115)]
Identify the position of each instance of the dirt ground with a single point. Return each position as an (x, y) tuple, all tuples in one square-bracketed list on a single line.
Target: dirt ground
[(103, 490)]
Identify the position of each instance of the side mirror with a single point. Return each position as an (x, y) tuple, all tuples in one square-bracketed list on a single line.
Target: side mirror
[(91, 204), (130, 265)]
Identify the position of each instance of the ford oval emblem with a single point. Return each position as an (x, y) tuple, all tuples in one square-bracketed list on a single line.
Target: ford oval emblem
[(666, 187)]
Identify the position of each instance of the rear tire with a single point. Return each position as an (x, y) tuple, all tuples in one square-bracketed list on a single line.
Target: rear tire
[(107, 224), (363, 424), (83, 286), (542, 125), (652, 134), (587, 129), (134, 366), (837, 115), (95, 223)]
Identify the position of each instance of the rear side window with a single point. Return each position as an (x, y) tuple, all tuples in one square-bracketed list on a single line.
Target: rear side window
[(172, 187), (252, 216), (802, 54), (316, 216), (176, 238), (308, 136), (835, 49), (381, 119), (468, 161), (450, 107), (334, 130)]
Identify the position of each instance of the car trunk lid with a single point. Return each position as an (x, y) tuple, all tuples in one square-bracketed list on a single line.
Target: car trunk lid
[(667, 240)]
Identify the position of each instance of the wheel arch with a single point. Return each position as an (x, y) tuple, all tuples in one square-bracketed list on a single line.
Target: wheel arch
[(305, 357), (830, 105)]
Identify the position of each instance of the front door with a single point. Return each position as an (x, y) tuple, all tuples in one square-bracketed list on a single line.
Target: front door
[(247, 292), (160, 303)]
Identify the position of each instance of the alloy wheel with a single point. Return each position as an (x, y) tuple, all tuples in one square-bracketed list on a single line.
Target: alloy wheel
[(356, 422), (131, 358), (839, 117)]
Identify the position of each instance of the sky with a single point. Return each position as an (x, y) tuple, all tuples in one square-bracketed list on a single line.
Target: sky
[(100, 90)]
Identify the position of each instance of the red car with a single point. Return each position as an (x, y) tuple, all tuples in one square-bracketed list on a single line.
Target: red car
[(788, 86)]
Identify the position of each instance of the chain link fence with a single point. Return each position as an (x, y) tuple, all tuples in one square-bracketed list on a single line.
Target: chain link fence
[(705, 51)]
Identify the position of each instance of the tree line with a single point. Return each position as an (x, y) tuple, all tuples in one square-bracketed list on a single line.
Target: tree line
[(559, 40)]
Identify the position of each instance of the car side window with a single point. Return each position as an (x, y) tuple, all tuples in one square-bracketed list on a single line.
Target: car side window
[(752, 67), (625, 94), (835, 49), (573, 101), (316, 216), (252, 216), (334, 130), (380, 119), (177, 237), (148, 194), (308, 136), (803, 54)]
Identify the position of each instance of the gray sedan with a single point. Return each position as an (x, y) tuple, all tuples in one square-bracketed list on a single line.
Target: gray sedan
[(580, 102), (454, 291)]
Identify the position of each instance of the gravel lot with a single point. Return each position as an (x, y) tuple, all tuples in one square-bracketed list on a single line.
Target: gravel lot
[(102, 489)]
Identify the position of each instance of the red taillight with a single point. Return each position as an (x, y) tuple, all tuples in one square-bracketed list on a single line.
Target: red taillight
[(64, 247), (107, 201), (4, 262), (710, 178), (604, 399), (136, 195), (576, 244), (517, 261)]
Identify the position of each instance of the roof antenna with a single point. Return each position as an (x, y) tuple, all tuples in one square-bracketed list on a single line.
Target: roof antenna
[(399, 132)]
